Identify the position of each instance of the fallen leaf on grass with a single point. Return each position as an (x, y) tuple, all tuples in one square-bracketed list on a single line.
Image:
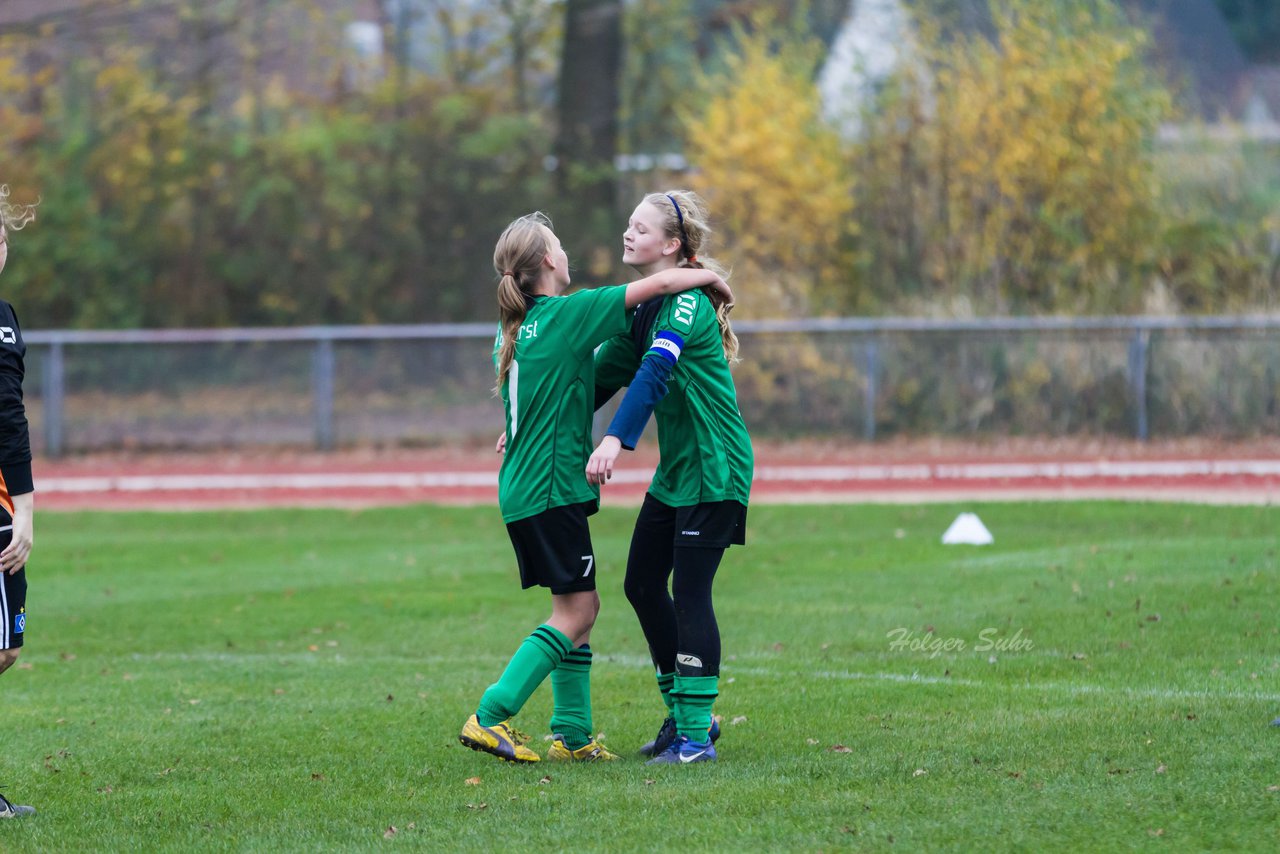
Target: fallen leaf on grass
[(317, 776), (106, 790), (1160, 769), (738, 719), (472, 781), (840, 748), (919, 772), (546, 779), (389, 832), (480, 806), (1273, 788), (650, 783), (1158, 831), (811, 740)]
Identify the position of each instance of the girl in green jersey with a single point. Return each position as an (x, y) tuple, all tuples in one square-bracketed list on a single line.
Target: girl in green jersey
[(675, 361), (546, 378)]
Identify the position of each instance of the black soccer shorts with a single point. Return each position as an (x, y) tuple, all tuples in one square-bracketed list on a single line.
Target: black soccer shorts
[(711, 524), (554, 549)]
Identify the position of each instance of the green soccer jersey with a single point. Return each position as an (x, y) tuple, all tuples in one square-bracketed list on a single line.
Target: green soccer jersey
[(702, 440), (549, 395)]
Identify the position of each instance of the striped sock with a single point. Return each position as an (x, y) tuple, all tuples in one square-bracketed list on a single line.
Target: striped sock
[(537, 657), (571, 694), (694, 696), (665, 682)]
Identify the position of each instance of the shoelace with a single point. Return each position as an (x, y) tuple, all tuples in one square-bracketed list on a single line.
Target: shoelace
[(517, 736)]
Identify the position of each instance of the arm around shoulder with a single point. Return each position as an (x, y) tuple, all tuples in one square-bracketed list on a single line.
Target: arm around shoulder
[(675, 281)]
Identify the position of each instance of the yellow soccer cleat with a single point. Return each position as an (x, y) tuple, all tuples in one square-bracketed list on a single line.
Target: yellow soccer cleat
[(500, 740), (593, 751)]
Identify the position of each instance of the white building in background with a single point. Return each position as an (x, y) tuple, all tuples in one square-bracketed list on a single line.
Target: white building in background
[(1191, 44), (876, 39)]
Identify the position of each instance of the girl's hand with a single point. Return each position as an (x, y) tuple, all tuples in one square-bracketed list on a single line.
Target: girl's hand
[(600, 466), (720, 293), (501, 447), (15, 555)]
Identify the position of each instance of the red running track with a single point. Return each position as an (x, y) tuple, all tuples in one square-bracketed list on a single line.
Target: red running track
[(908, 472)]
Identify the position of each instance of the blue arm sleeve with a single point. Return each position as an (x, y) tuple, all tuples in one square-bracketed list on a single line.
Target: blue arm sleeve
[(649, 387)]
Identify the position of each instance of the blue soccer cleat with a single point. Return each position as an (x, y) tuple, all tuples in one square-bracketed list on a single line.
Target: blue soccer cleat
[(685, 752), (667, 734)]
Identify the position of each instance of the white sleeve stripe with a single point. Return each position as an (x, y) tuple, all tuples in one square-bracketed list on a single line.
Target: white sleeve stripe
[(665, 347)]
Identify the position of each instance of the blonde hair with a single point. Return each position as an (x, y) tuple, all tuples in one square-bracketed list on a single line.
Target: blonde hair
[(688, 224), (14, 217), (517, 259)]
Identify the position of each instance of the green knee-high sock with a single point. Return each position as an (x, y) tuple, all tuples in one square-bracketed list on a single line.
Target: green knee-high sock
[(537, 656), (694, 697), (665, 681), (571, 694)]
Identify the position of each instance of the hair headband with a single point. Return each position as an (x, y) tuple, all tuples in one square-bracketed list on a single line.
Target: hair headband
[(684, 237)]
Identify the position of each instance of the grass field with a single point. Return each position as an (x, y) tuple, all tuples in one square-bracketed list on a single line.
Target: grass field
[(295, 680)]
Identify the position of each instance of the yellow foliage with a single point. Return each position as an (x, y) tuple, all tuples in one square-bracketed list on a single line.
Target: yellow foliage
[(1051, 175), (1016, 173), (773, 173)]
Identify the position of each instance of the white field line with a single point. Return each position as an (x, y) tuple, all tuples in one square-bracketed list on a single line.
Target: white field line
[(1067, 688), (923, 473), (332, 657)]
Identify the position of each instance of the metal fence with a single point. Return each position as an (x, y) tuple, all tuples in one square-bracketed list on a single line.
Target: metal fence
[(859, 378)]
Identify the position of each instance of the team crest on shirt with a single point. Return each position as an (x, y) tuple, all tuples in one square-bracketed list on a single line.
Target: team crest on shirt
[(20, 622), (685, 307)]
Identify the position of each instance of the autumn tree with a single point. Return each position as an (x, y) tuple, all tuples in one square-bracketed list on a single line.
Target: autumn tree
[(1017, 174), (772, 172), (1051, 189)]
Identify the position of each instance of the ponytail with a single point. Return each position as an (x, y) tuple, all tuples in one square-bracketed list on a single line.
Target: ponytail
[(517, 259), (511, 313), (686, 219)]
